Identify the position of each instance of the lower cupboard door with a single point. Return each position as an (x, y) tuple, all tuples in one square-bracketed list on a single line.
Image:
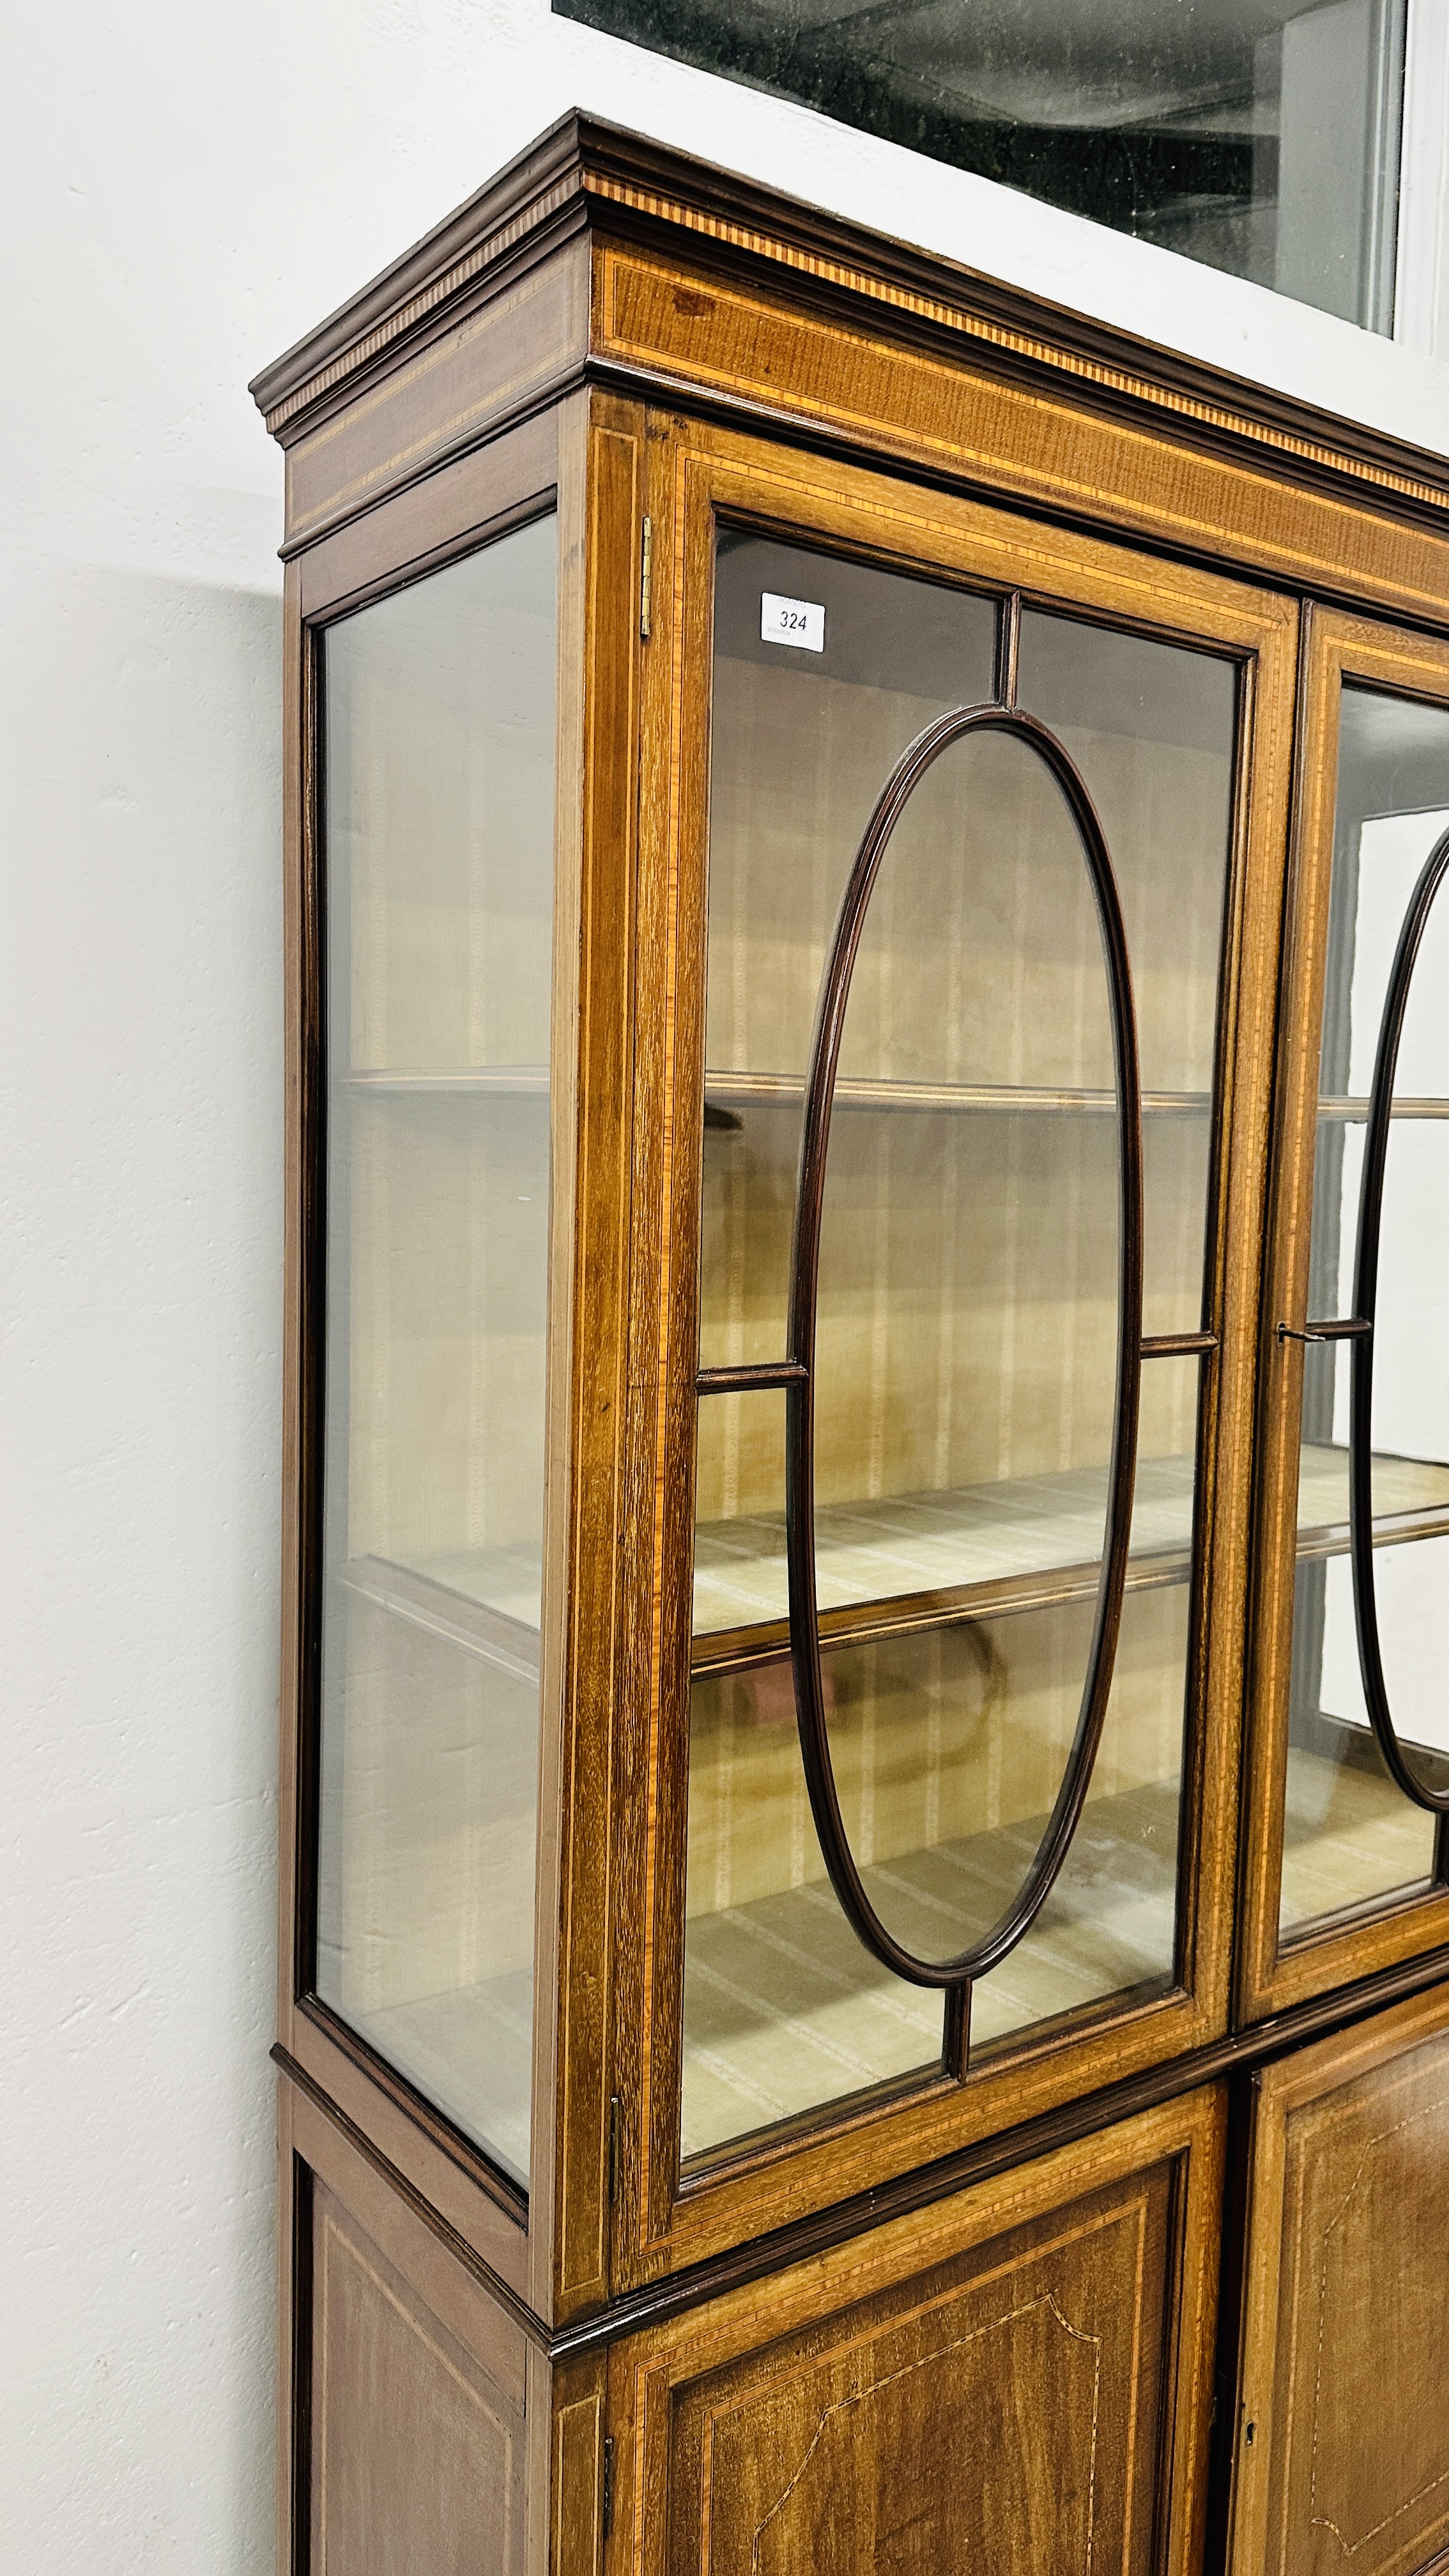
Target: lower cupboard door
[(1014, 2380), (1342, 2454), (409, 2395)]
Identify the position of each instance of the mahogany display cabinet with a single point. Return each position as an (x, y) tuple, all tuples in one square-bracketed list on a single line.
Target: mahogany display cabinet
[(865, 1886)]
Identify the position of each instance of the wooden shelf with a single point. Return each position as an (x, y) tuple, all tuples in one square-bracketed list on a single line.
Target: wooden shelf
[(910, 1561), (478, 1081), (1411, 1497), (921, 1560), (1348, 1108), (485, 1600), (914, 1561), (785, 1090)]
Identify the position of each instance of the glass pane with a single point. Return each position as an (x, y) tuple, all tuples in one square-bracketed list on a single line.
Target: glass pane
[(783, 2008), (1151, 728), (1109, 1926), (1350, 1836), (803, 738), (1257, 135), (439, 806), (966, 1368)]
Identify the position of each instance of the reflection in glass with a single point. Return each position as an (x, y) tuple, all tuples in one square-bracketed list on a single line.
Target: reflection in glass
[(1261, 136), (1349, 1834), (439, 810), (967, 1343)]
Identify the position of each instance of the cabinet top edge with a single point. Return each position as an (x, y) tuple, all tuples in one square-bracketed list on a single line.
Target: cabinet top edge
[(587, 175)]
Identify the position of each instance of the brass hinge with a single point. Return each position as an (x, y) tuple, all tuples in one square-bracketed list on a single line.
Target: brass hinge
[(646, 577), (608, 2496)]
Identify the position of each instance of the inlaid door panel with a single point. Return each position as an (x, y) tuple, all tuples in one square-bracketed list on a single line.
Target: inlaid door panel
[(1343, 2434), (1012, 2380), (417, 2464)]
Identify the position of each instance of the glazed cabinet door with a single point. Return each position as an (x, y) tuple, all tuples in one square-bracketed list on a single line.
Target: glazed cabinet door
[(1342, 2455), (1015, 2379), (1347, 1867), (961, 840)]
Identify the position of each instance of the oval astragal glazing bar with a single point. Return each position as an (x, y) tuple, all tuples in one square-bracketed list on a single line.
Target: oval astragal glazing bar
[(810, 1696), (1365, 1300)]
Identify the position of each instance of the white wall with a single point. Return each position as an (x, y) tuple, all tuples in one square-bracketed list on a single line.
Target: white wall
[(188, 189)]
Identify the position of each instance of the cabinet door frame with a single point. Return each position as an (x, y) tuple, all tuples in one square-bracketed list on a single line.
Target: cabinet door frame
[(1275, 1974), (696, 473), (649, 2372), (1295, 2084)]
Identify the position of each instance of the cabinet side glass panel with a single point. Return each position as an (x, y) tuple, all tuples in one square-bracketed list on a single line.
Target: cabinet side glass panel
[(1350, 1836), (439, 790), (965, 1361)]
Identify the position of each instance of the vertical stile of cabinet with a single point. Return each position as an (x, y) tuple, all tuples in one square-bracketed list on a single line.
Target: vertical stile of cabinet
[(589, 1946)]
